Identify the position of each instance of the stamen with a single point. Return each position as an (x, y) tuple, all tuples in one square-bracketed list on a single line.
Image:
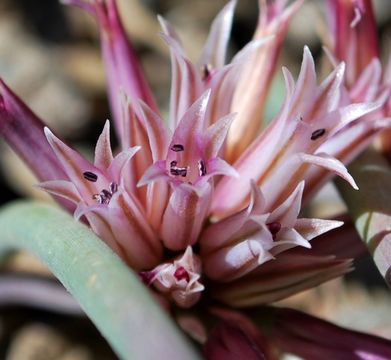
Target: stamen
[(173, 163), (205, 71), (181, 273), (105, 196), (176, 171), (90, 176), (202, 168), (98, 198), (274, 227), (177, 147), (113, 188), (317, 134)]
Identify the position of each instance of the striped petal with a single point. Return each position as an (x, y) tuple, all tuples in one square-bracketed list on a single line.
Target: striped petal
[(23, 131), (184, 215), (123, 69), (215, 48)]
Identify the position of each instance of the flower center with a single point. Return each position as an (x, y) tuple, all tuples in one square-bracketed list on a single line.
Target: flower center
[(105, 195), (187, 172)]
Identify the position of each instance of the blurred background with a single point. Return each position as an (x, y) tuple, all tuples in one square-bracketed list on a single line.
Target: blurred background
[(50, 56)]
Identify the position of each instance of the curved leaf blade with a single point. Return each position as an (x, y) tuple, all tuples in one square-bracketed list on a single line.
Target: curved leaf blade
[(109, 292), (370, 207)]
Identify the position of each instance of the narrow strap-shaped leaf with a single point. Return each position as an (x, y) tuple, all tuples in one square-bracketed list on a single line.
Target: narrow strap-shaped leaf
[(109, 292), (370, 207)]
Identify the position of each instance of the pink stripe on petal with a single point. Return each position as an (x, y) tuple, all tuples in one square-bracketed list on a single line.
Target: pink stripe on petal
[(355, 111), (255, 78), (288, 211), (328, 95), (97, 217), (215, 49), (119, 164), (232, 262), (311, 228), (103, 154), (305, 87), (62, 188), (23, 131), (155, 172), (132, 232), (227, 230), (158, 134), (222, 83), (185, 215), (192, 124), (186, 82), (330, 163), (280, 278), (123, 69), (135, 136), (367, 86), (251, 165), (157, 199), (75, 166), (217, 166), (215, 135), (288, 239)]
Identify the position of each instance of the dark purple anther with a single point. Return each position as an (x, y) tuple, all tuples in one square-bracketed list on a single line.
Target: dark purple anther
[(201, 168), (177, 147), (90, 176), (106, 193), (317, 134), (178, 171), (113, 188), (173, 163)]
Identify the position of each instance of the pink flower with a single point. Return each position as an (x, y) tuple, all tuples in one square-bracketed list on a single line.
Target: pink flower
[(180, 278), (205, 203), (354, 41)]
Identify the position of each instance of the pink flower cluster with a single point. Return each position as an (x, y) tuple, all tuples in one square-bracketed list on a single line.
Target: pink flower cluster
[(213, 199)]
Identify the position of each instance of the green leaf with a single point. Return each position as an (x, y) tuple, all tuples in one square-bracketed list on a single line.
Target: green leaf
[(110, 293), (370, 206)]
